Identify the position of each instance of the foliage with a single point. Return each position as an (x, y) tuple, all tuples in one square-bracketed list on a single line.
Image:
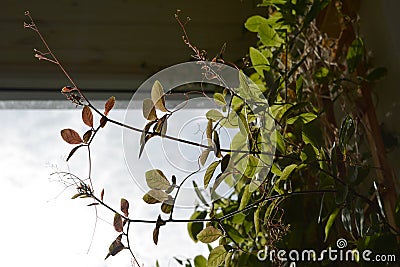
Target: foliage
[(305, 98)]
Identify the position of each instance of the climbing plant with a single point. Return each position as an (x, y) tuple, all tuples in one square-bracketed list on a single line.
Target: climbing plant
[(307, 164)]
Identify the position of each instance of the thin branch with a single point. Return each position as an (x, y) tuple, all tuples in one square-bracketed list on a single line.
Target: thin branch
[(129, 245)]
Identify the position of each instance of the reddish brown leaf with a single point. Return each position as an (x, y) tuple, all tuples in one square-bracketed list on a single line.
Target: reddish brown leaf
[(67, 89), (103, 122), (71, 137), (87, 116), (118, 222), (156, 232), (109, 105), (102, 195), (125, 206), (115, 247), (73, 151)]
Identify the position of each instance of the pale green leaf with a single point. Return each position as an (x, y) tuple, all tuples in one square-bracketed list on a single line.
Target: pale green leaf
[(287, 171), (259, 61), (155, 196), (210, 172), (209, 234), (245, 198), (269, 36), (254, 22), (214, 115), (157, 96), (149, 112), (195, 227), (330, 222), (217, 256), (199, 194), (219, 99), (156, 179), (355, 54)]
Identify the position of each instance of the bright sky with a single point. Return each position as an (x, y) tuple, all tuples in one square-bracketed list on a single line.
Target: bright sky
[(42, 226)]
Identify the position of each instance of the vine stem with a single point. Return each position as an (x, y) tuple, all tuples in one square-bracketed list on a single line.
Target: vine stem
[(32, 25), (129, 244), (226, 216)]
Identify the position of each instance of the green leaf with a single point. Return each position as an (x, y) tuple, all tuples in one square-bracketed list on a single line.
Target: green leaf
[(200, 261), (219, 99), (299, 88), (210, 172), (308, 154), (214, 115), (304, 117), (376, 74), (251, 166), (273, 2), (355, 54), (312, 134), (346, 132), (245, 198), (209, 234), (225, 162), (253, 23), (217, 256), (157, 96), (269, 36), (228, 259), (341, 194), (256, 219), (330, 222), (277, 138), (233, 233), (243, 124), (259, 61), (287, 171), (199, 194), (322, 75), (156, 179), (209, 130), (195, 227), (217, 146), (237, 104)]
